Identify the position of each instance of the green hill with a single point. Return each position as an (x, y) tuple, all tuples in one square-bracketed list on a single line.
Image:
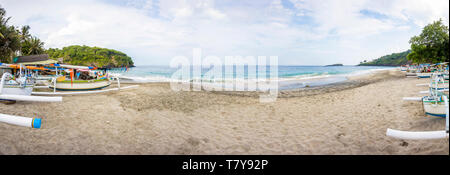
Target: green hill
[(395, 59), (87, 56)]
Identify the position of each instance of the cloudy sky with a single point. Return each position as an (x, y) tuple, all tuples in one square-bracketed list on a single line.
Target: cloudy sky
[(299, 32)]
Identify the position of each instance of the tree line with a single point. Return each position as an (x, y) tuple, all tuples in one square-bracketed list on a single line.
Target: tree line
[(17, 41), (431, 46), (91, 56)]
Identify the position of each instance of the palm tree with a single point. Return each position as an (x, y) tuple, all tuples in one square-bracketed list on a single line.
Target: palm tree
[(9, 39), (24, 33), (33, 46)]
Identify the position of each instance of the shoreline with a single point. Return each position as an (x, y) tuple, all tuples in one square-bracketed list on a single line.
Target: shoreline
[(299, 77), (284, 83), (352, 81), (345, 118)]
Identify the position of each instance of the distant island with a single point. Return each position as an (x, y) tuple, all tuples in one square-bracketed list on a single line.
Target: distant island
[(334, 65), (395, 59), (87, 56)]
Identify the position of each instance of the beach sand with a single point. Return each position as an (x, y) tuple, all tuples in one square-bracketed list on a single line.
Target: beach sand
[(347, 118)]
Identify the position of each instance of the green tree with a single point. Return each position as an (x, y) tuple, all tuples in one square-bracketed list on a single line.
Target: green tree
[(432, 45), (15, 41), (24, 33), (9, 38), (32, 46)]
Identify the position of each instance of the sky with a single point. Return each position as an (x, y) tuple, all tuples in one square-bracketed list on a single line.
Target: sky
[(299, 32)]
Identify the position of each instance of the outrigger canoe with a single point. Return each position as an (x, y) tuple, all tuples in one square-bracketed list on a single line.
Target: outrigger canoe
[(434, 107), (80, 85), (424, 75)]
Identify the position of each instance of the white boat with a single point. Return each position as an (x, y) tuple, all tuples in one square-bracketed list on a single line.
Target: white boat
[(424, 75), (20, 90), (80, 85), (403, 68), (92, 81), (12, 88), (443, 85), (19, 86), (411, 74), (434, 106)]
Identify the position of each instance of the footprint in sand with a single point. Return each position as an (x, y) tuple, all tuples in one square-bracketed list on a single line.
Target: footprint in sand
[(404, 144), (238, 149), (189, 147)]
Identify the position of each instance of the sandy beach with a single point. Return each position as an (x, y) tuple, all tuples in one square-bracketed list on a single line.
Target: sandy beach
[(345, 118)]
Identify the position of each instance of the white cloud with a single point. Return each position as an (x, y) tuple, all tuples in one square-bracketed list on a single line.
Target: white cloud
[(153, 31)]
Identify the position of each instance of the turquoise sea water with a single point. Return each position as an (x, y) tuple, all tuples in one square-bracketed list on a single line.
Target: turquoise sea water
[(288, 76)]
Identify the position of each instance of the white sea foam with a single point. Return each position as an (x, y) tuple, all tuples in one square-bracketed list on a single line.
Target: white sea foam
[(314, 77)]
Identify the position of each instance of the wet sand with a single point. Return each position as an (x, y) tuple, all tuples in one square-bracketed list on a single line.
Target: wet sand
[(345, 118)]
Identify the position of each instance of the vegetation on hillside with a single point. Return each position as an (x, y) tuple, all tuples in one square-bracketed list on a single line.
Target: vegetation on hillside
[(431, 46), (395, 59), (87, 56), (17, 41)]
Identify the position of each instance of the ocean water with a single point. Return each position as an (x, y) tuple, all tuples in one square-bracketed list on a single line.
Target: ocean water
[(288, 77)]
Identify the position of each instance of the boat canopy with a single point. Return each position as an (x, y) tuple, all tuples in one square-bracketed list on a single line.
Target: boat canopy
[(45, 62), (30, 58)]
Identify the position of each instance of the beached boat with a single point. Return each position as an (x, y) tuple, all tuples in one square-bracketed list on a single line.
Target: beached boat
[(440, 85), (20, 89), (438, 82), (93, 80), (19, 86), (434, 106), (82, 79), (409, 74), (80, 85), (424, 135), (424, 75)]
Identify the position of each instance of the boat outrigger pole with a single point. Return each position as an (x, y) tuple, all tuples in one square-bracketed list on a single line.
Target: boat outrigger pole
[(15, 97), (423, 135), (21, 121)]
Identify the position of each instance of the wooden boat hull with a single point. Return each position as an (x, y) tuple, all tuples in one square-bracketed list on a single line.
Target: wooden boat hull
[(81, 85), (411, 74), (433, 108)]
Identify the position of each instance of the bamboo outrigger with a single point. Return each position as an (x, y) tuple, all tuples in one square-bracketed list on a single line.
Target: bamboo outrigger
[(423, 135), (436, 104), (20, 89)]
